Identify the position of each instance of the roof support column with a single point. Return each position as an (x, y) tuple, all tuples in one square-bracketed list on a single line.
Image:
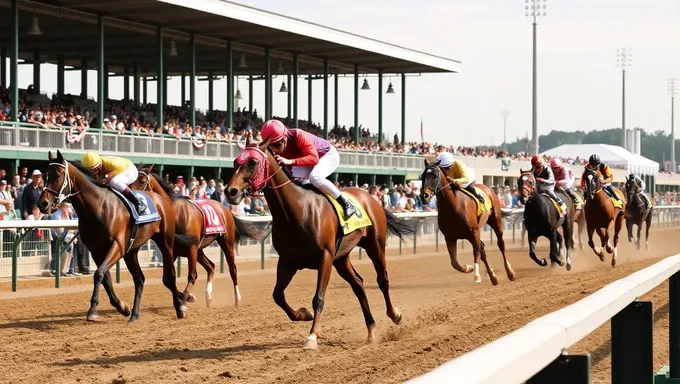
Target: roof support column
[(14, 63), (3, 66), (165, 88), (160, 78), (335, 100), (145, 90), (380, 106), (126, 82), (135, 86), (403, 108), (106, 82), (267, 84), (36, 72), (309, 100), (296, 74), (100, 72), (211, 92), (184, 89), (325, 99), (289, 105), (230, 86), (250, 93), (356, 105), (60, 75), (83, 78), (192, 81)]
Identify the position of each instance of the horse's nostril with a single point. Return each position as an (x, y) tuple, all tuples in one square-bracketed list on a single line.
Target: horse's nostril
[(233, 192)]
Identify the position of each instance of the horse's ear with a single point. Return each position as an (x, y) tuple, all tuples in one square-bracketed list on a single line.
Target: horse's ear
[(426, 163), (521, 171), (60, 157), (248, 141), (438, 162), (264, 144), (50, 157), (151, 167), (140, 165)]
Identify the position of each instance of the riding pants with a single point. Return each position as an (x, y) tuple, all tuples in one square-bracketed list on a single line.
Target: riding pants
[(317, 174), (550, 190), (608, 187), (121, 181)]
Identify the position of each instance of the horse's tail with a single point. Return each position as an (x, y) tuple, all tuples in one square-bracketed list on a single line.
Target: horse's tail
[(401, 228), (186, 240), (248, 230)]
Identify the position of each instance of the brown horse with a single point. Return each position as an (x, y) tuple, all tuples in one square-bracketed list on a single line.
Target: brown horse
[(307, 235), (601, 213), (189, 221), (458, 219), (637, 212), (108, 231)]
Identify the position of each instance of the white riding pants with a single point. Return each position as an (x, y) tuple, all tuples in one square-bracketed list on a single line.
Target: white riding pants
[(123, 179), (317, 174)]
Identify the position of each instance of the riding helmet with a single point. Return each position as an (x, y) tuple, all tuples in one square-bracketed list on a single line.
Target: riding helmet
[(594, 160)]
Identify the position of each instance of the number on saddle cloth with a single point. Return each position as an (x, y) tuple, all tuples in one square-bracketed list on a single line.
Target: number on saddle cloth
[(151, 213)]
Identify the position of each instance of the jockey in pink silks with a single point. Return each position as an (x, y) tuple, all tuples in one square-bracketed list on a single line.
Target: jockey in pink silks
[(564, 179)]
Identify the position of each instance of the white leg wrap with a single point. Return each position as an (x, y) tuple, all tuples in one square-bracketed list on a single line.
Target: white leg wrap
[(208, 288), (237, 293), (476, 269), (312, 337)]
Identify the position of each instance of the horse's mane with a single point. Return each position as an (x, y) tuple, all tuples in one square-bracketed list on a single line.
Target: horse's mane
[(87, 172), (165, 186)]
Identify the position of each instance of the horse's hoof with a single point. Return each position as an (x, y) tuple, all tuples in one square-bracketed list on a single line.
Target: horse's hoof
[(125, 310), (190, 298), (601, 258), (478, 279), (182, 314), (544, 262), (397, 317), (371, 334), (639, 246), (311, 344), (568, 267), (613, 262), (609, 248), (494, 279), (92, 317), (554, 264), (208, 301), (646, 246), (132, 321), (630, 239), (305, 315), (469, 268), (511, 275)]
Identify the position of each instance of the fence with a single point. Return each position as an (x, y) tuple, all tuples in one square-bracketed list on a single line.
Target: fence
[(537, 352)]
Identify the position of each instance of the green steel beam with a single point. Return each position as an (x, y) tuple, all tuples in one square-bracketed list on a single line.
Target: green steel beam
[(126, 82), (3, 66), (309, 99), (184, 89), (335, 101), (165, 87), (135, 86), (60, 75), (211, 92), (230, 86), (296, 75), (145, 89), (356, 105), (100, 72), (267, 83), (36, 71), (14, 64), (403, 108), (380, 105), (160, 76), (325, 99), (83, 78), (106, 82), (192, 81), (289, 105), (250, 93)]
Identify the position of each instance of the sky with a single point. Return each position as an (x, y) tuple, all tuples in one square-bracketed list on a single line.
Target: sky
[(579, 83)]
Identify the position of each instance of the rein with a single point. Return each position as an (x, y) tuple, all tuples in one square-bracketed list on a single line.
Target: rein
[(438, 187), (148, 182), (60, 196)]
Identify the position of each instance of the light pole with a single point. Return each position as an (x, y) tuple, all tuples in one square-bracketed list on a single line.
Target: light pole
[(672, 90), (504, 114), (534, 9), (624, 57)]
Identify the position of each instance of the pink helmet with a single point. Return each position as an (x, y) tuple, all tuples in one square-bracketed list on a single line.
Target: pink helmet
[(555, 163), (273, 130)]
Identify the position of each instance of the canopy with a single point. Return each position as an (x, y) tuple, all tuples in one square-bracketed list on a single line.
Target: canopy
[(613, 155)]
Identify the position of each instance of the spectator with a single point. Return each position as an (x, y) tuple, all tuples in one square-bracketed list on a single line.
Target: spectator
[(31, 194), (63, 213)]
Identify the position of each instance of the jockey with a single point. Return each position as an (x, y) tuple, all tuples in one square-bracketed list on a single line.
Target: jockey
[(310, 157), (458, 173), (604, 173), (564, 178), (117, 173), (641, 185), (545, 180)]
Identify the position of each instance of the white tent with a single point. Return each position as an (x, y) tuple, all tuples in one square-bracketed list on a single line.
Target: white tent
[(610, 154)]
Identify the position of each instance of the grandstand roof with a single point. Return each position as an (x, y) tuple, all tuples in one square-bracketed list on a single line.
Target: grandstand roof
[(70, 27), (610, 154)]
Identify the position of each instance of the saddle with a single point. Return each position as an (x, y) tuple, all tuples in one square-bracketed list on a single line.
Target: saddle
[(480, 207), (561, 209)]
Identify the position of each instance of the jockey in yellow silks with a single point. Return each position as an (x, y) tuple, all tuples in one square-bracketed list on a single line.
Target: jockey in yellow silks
[(459, 174), (117, 173)]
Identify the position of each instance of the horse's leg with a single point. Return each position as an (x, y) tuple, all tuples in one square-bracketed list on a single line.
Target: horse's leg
[(451, 245), (629, 228), (521, 241), (209, 267), (497, 227), (604, 235), (132, 263), (568, 243), (121, 306), (648, 224), (591, 243), (112, 256), (376, 252), (192, 276), (323, 277), (346, 271), (557, 248), (639, 234), (581, 229), (229, 254), (163, 242), (532, 251), (617, 230), (476, 252), (489, 269), (284, 275)]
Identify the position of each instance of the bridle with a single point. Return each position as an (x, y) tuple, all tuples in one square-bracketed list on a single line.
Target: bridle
[(60, 196), (248, 191), (147, 184), (437, 187), (529, 191)]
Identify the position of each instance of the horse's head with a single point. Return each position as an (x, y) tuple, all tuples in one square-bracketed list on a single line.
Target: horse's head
[(144, 179), (252, 171), (431, 180), (591, 183), (58, 185), (526, 185)]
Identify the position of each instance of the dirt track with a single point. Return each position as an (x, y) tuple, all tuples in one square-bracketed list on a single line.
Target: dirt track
[(46, 338)]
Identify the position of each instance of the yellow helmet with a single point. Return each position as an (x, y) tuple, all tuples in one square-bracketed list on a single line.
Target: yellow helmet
[(91, 160)]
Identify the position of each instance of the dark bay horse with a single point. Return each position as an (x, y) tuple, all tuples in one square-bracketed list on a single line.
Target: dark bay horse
[(541, 219), (307, 235), (579, 218), (189, 221), (601, 214), (637, 213), (106, 229), (457, 218)]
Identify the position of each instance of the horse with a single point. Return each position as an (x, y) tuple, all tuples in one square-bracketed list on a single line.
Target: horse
[(541, 219), (578, 218), (107, 229), (306, 233), (600, 212), (458, 219), (637, 213), (190, 221)]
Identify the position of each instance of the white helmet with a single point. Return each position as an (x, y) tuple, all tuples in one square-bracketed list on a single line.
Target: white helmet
[(446, 159)]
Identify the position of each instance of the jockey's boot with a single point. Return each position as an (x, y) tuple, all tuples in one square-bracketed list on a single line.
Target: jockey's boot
[(571, 194), (471, 188), (613, 194), (646, 199), (557, 199), (139, 204), (348, 208)]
